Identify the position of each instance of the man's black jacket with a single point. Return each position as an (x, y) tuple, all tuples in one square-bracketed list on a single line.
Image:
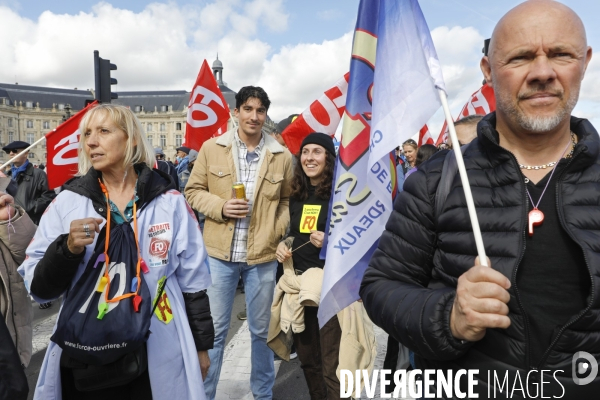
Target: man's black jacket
[(409, 287), (33, 193)]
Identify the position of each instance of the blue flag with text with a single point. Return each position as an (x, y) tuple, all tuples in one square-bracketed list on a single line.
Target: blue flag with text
[(394, 73)]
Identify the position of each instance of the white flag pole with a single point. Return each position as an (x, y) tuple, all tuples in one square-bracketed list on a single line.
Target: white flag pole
[(465, 181), (27, 149)]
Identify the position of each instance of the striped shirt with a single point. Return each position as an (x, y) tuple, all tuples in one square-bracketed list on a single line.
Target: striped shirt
[(248, 163)]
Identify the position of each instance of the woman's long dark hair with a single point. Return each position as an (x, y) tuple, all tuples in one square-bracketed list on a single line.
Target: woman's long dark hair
[(424, 153), (301, 182)]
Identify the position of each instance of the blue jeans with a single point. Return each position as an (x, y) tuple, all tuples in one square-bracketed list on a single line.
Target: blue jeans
[(259, 283)]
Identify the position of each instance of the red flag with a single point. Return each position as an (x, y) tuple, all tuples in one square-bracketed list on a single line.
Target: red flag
[(207, 110), (482, 102), (425, 136), (62, 144), (323, 115)]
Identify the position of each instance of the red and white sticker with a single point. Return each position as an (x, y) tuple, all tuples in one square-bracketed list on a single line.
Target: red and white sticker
[(160, 236)]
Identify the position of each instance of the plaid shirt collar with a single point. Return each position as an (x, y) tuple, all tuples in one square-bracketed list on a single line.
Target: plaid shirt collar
[(241, 145)]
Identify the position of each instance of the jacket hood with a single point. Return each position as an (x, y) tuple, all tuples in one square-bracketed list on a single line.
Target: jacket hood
[(151, 183)]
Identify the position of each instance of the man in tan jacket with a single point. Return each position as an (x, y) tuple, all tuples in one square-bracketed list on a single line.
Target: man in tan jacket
[(241, 235)]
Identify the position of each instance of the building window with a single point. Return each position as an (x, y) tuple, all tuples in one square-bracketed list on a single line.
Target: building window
[(61, 106), (137, 109), (149, 138), (163, 108), (30, 137), (10, 137), (178, 141), (29, 123), (149, 127), (29, 104), (10, 123), (178, 126), (162, 127), (163, 141), (46, 124), (31, 155)]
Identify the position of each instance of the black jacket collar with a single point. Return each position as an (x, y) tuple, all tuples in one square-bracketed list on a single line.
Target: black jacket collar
[(151, 184), (587, 148)]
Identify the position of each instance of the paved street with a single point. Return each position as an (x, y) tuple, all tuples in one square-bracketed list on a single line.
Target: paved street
[(234, 384)]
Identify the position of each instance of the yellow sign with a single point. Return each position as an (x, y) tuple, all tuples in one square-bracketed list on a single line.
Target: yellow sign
[(163, 309), (310, 216)]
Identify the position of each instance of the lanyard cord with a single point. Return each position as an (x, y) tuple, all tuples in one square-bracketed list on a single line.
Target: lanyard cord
[(137, 245)]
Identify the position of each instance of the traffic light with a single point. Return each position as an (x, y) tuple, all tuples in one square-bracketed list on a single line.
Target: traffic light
[(102, 70)]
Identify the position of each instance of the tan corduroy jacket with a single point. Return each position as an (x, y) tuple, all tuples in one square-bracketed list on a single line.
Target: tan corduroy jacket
[(14, 302), (209, 187)]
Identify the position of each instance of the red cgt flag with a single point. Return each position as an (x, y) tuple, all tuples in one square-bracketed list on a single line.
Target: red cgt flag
[(482, 102), (207, 111), (323, 115), (424, 136), (62, 144)]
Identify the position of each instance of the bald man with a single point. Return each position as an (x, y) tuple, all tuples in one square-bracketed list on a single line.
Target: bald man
[(531, 323)]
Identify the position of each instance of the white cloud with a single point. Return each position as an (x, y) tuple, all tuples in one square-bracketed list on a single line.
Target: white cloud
[(298, 75), (162, 48)]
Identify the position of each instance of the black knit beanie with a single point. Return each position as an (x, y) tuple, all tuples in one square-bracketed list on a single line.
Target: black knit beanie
[(321, 139)]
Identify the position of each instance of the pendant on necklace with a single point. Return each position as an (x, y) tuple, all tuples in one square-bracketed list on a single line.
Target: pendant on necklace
[(536, 217)]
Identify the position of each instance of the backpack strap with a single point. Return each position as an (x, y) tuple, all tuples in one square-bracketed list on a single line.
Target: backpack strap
[(449, 170)]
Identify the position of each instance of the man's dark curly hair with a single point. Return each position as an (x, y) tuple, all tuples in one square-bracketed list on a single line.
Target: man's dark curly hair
[(301, 182), (248, 92)]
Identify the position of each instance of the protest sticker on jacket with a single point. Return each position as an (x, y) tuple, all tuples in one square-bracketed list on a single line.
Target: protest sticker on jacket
[(163, 310), (310, 216), (160, 236)]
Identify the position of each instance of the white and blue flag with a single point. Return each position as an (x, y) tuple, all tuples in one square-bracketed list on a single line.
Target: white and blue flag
[(392, 92)]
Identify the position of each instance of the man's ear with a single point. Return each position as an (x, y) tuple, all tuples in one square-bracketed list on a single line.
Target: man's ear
[(486, 69)]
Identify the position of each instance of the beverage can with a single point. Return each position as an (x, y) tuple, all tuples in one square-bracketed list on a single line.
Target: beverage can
[(239, 191)]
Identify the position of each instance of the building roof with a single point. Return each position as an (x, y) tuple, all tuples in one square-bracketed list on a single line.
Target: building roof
[(154, 99), (229, 96), (46, 96), (149, 100)]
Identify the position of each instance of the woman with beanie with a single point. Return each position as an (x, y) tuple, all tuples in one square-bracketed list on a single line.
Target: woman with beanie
[(318, 350)]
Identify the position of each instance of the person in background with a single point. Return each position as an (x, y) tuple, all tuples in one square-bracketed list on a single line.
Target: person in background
[(423, 154), (182, 159), (318, 350), (16, 231), (166, 166), (116, 174), (409, 148), (466, 129), (193, 156), (184, 175), (33, 193)]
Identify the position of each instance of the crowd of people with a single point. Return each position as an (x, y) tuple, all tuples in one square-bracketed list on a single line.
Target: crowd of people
[(147, 254)]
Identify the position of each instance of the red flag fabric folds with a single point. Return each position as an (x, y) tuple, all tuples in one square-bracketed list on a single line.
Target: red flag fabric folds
[(482, 102), (425, 136), (62, 144), (323, 115), (207, 111)]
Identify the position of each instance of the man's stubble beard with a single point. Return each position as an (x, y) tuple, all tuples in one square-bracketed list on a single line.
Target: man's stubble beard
[(534, 123)]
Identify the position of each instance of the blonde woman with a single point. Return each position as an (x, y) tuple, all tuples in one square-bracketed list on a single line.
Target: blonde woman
[(117, 182)]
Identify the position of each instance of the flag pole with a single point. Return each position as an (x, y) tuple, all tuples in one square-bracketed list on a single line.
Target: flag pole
[(465, 181), (18, 155)]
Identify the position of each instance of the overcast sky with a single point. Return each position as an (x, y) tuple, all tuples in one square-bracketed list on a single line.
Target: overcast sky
[(293, 49)]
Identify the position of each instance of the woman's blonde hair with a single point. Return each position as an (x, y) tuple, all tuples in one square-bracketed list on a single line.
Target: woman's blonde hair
[(128, 123)]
